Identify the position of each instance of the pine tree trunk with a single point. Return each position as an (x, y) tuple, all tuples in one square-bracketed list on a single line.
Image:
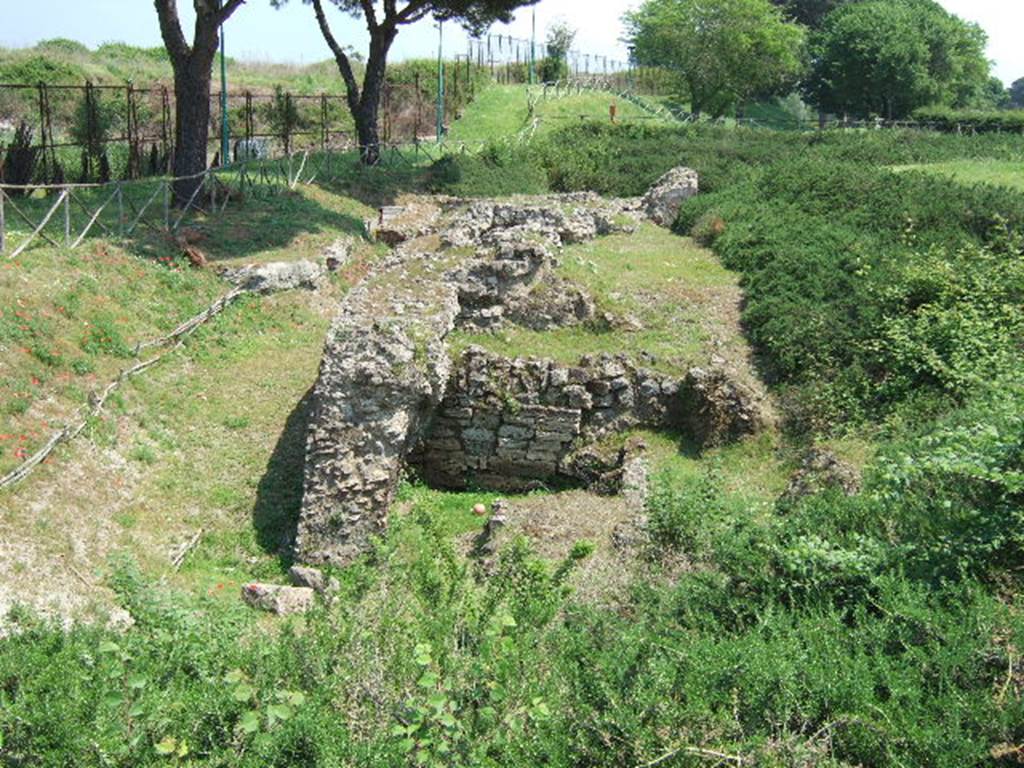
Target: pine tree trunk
[(368, 111), (191, 128), (368, 132)]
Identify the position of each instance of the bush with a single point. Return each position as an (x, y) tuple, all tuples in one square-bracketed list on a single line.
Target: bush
[(552, 69), (496, 172), (38, 68), (19, 164), (971, 121), (450, 664), (90, 129), (866, 289)]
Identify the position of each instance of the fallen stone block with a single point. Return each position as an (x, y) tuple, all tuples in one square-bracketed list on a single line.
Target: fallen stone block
[(277, 276), (663, 201), (279, 599), (312, 578)]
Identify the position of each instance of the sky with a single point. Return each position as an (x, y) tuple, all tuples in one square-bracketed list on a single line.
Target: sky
[(258, 32)]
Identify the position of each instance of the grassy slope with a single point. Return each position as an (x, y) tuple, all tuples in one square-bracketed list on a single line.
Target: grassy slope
[(115, 63), (209, 438), (70, 320), (503, 110)]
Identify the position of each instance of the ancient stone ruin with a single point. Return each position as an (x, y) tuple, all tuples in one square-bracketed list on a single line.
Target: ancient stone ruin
[(389, 397)]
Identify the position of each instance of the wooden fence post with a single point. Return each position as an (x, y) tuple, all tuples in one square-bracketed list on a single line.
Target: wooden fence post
[(323, 121), (121, 210), (167, 205), (419, 105), (67, 217), (165, 119)]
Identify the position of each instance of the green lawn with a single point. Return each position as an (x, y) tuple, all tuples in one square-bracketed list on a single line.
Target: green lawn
[(1001, 173)]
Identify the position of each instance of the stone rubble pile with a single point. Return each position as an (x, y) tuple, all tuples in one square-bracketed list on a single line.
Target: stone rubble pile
[(555, 219)]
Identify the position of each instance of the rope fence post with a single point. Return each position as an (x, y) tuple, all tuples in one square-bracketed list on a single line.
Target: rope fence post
[(67, 217), (39, 229), (120, 209), (167, 205)]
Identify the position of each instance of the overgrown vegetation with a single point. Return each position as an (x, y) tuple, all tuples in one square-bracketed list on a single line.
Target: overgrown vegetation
[(859, 297), (879, 629), (819, 638)]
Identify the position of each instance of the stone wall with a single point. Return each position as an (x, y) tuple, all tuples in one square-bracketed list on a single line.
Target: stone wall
[(385, 367), (383, 372), (386, 387), (510, 424)]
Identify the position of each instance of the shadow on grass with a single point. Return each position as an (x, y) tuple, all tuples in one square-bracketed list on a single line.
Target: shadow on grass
[(279, 494), (265, 219), (376, 186), (255, 225)]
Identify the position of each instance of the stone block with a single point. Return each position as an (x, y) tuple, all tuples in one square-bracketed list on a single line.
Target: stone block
[(515, 432), (278, 599)]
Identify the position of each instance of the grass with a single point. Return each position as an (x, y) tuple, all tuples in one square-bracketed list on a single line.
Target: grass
[(813, 637), (502, 111), (685, 301), (71, 319), (212, 439), (1000, 173)]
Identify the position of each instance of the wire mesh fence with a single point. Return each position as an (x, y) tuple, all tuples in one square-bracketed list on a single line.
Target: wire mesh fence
[(512, 60), (66, 215), (96, 133)]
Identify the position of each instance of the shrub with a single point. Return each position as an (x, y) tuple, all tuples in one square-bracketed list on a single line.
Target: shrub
[(19, 165), (971, 121), (90, 129), (497, 171)]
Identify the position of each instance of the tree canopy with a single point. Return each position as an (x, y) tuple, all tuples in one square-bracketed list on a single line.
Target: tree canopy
[(810, 13), (560, 38), (475, 15), (1017, 93), (889, 57), (724, 51)]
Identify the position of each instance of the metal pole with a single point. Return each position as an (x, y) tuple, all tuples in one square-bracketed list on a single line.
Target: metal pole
[(440, 81), (533, 50), (225, 134), (3, 221)]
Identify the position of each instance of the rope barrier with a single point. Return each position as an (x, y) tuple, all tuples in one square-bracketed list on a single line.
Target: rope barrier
[(96, 402)]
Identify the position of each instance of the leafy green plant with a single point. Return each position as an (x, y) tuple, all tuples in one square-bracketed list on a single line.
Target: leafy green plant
[(283, 116), (90, 129), (19, 164)]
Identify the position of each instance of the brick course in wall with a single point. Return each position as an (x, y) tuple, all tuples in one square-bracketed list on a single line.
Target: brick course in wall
[(510, 424)]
